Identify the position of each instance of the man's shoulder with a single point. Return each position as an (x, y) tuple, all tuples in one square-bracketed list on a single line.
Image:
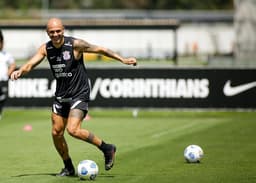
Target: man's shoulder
[(68, 41), (48, 45), (6, 56), (5, 53)]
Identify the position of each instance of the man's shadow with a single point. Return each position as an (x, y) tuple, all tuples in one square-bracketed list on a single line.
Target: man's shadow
[(36, 174), (55, 175)]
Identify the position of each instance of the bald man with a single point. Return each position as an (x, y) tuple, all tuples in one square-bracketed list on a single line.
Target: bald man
[(65, 56)]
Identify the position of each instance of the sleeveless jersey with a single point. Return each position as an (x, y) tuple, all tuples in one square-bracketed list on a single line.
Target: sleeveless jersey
[(70, 74)]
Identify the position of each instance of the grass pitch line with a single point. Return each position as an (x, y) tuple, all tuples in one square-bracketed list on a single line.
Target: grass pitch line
[(185, 129), (173, 130)]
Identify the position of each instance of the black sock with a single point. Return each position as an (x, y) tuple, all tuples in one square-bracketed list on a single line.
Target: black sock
[(68, 164), (103, 147)]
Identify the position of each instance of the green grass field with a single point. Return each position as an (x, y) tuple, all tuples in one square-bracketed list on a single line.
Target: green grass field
[(149, 147)]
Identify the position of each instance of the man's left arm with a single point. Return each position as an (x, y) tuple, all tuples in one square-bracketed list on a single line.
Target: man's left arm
[(83, 46)]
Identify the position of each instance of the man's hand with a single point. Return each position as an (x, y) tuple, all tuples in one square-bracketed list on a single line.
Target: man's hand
[(130, 61), (15, 75)]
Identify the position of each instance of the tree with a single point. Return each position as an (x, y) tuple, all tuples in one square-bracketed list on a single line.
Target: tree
[(119, 4)]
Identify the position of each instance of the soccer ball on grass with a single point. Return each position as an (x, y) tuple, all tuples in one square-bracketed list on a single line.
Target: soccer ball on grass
[(193, 154), (87, 170)]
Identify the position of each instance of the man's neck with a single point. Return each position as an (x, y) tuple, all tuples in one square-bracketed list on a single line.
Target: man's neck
[(60, 44)]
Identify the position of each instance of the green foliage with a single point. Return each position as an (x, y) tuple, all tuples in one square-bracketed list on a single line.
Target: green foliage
[(118, 4)]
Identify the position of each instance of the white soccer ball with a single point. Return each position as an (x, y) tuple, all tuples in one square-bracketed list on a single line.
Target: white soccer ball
[(87, 170), (193, 153)]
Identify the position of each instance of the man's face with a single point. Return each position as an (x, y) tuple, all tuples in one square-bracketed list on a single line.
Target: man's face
[(56, 34)]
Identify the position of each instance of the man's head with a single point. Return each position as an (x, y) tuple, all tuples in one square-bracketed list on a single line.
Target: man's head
[(55, 31)]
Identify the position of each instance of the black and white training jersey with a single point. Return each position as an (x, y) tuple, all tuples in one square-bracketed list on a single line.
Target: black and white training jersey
[(70, 74)]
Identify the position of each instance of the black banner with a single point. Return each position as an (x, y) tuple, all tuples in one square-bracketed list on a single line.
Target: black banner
[(155, 88)]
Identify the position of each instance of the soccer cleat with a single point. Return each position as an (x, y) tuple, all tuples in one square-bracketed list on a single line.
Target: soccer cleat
[(65, 172), (110, 157)]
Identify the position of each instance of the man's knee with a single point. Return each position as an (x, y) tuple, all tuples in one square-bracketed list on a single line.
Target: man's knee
[(58, 125), (57, 132), (73, 131)]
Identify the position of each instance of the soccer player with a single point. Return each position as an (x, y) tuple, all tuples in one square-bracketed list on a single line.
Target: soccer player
[(65, 56), (7, 66)]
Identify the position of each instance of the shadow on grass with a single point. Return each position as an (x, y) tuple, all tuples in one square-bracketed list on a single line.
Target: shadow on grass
[(35, 174), (55, 175)]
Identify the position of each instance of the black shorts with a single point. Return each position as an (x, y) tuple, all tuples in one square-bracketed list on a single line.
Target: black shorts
[(62, 107), (3, 90)]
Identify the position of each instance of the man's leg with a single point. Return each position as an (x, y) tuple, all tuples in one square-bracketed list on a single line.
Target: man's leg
[(75, 119), (58, 128)]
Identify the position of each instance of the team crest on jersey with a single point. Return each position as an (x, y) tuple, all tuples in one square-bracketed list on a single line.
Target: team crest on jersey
[(66, 55)]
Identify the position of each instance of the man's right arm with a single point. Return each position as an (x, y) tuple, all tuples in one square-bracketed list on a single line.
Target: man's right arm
[(34, 61)]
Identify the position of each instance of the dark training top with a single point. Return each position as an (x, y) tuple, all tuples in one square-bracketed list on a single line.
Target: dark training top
[(70, 74)]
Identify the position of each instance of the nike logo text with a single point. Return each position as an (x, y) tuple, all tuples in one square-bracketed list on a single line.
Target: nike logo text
[(230, 91)]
